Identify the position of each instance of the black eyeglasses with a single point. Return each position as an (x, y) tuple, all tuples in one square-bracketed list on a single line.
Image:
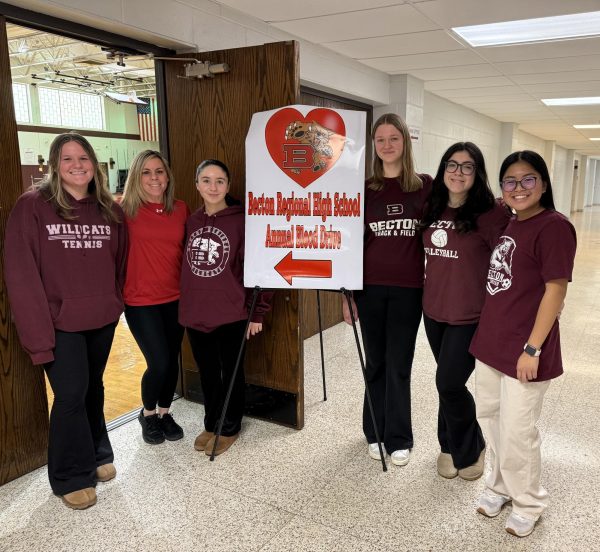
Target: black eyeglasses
[(527, 183), (465, 168)]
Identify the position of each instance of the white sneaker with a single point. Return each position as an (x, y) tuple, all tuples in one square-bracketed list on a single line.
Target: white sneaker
[(490, 504), (519, 526), (374, 451), (400, 457)]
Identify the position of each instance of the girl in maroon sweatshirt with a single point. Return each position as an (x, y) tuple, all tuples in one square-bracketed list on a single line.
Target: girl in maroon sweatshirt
[(214, 303), (65, 254), (390, 303)]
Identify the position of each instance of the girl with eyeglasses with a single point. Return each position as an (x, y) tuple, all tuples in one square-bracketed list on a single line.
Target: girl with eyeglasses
[(390, 303), (460, 227), (156, 225), (517, 343)]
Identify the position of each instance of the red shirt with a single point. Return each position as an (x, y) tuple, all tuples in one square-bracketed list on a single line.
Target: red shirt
[(393, 249), (155, 252), (530, 253), (457, 265)]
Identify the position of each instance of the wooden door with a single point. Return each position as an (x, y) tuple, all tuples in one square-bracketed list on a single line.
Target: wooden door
[(209, 118), (23, 402)]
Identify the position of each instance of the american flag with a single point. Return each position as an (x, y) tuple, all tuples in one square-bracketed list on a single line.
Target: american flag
[(147, 120)]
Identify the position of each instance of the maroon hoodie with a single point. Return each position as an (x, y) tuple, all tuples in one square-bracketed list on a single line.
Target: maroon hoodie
[(212, 275), (61, 274)]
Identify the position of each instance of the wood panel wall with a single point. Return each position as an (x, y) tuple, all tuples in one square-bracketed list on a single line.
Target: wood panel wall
[(331, 302), (209, 118), (23, 402)]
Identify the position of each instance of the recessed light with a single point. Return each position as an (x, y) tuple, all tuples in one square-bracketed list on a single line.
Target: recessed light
[(586, 126), (540, 29), (591, 100)]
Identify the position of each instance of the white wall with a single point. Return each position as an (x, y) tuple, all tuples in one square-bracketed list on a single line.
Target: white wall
[(525, 141), (445, 123)]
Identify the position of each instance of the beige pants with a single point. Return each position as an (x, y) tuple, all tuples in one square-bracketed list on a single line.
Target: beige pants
[(507, 411)]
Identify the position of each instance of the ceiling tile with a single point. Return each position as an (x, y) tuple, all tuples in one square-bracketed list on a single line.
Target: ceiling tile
[(391, 20), (418, 43)]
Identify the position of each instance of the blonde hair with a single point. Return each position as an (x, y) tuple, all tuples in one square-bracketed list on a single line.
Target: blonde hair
[(51, 186), (133, 194), (408, 179)]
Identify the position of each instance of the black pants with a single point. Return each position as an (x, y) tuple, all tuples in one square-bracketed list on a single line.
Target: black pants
[(215, 354), (459, 433), (158, 334), (389, 321), (78, 441)]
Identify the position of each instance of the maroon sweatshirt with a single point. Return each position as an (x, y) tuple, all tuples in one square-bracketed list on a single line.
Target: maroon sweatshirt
[(60, 274), (393, 249), (212, 275)]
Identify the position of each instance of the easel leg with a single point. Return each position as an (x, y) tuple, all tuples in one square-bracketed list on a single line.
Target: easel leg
[(233, 376), (321, 340), (364, 372)]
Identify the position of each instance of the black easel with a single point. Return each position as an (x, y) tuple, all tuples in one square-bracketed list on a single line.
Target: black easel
[(257, 290), (321, 339), (348, 295)]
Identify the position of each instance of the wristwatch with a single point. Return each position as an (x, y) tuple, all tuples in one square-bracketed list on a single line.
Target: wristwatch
[(531, 350)]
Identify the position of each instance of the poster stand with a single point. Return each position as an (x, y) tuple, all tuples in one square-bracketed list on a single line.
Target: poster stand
[(348, 296), (321, 340), (255, 293)]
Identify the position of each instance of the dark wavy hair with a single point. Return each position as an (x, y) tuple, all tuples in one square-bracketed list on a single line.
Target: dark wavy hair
[(480, 198), (539, 165), (229, 200)]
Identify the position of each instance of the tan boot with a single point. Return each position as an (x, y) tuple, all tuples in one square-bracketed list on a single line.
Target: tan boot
[(81, 499), (106, 472), (445, 466), (474, 471), (223, 444), (202, 439)]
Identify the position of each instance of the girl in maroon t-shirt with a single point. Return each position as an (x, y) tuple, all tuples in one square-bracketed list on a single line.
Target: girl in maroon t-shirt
[(390, 303), (517, 343), (461, 226)]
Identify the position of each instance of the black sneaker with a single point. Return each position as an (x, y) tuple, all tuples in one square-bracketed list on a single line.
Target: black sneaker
[(152, 431), (171, 429)]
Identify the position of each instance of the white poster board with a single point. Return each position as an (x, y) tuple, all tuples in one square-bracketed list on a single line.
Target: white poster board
[(304, 200)]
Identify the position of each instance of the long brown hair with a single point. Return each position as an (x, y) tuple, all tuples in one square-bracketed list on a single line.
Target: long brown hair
[(408, 179), (133, 195), (51, 186)]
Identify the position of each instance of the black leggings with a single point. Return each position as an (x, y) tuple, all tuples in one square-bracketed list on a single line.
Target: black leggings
[(158, 334), (215, 354), (78, 441), (459, 433), (389, 322)]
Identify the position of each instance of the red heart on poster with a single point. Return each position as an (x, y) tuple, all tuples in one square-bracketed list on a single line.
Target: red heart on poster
[(305, 147)]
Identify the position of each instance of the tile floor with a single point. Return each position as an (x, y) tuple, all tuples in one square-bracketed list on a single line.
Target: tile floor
[(279, 489)]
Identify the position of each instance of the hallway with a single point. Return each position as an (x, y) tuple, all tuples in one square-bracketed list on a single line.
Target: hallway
[(279, 489)]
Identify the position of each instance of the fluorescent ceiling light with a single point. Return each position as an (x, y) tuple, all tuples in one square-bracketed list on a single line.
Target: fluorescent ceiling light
[(595, 139), (541, 29), (586, 126), (592, 100)]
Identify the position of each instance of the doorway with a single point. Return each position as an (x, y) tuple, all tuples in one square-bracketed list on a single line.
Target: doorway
[(60, 84)]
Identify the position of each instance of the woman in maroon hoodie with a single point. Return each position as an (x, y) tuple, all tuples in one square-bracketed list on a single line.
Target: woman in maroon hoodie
[(65, 254), (213, 305)]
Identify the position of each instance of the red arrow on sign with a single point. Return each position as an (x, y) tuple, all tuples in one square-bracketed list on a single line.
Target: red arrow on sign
[(290, 268)]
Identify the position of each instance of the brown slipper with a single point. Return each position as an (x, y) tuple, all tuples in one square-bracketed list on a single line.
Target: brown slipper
[(81, 499)]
